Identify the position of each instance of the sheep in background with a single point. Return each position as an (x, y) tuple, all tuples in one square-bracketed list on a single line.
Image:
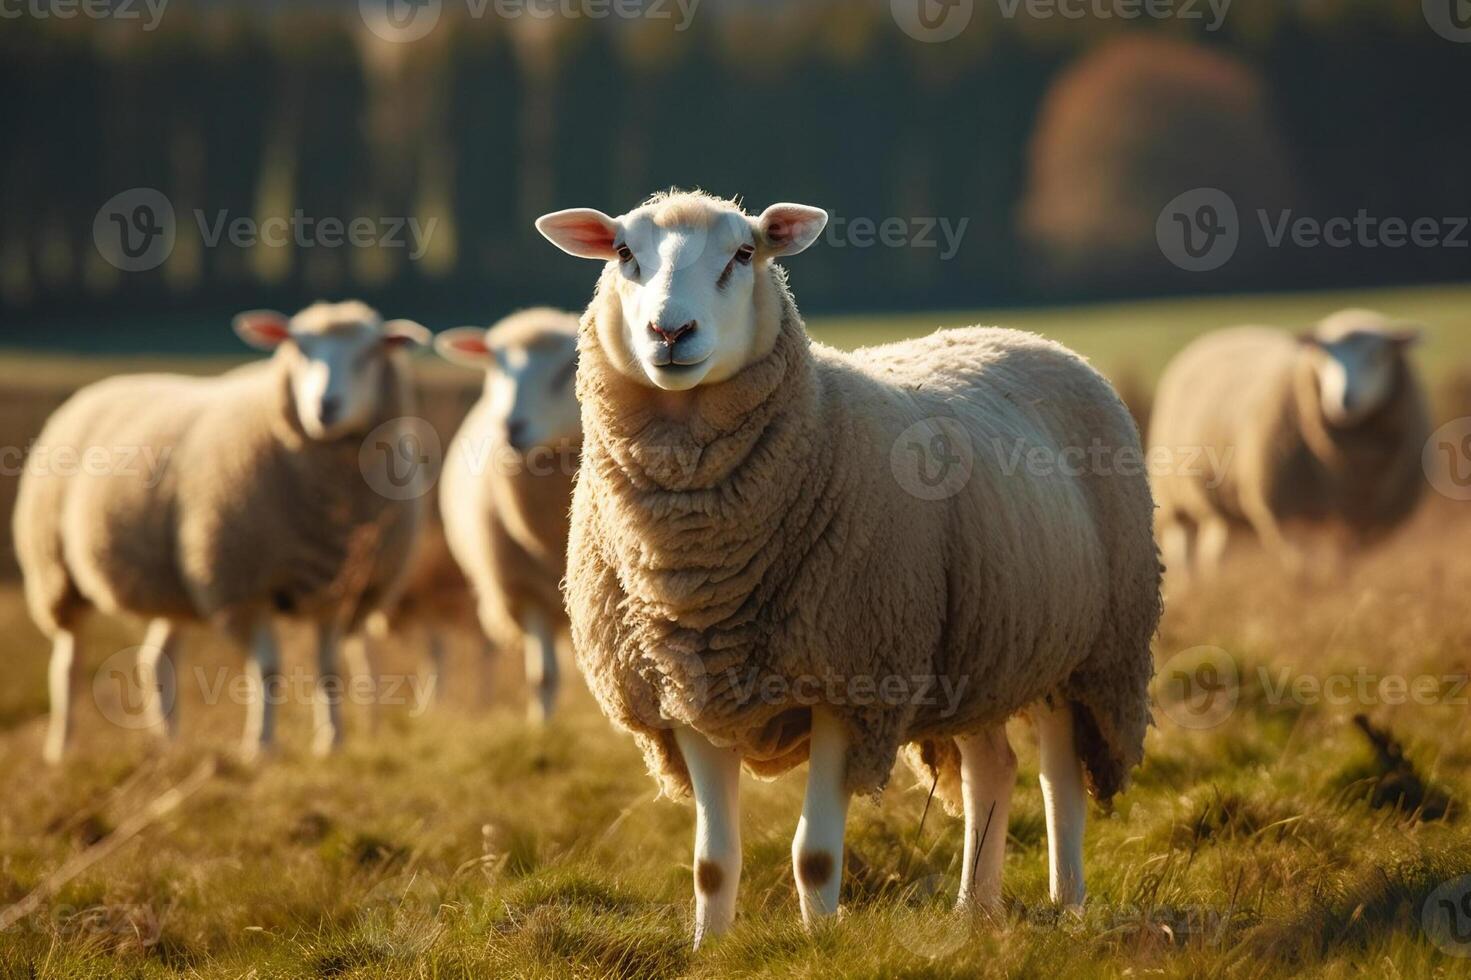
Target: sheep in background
[(745, 541), (1264, 430), (268, 502), (507, 483)]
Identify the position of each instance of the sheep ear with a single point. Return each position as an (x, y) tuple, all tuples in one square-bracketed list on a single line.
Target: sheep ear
[(400, 334), (1309, 339), (787, 229), (1406, 335), (465, 346), (263, 329), (582, 232)]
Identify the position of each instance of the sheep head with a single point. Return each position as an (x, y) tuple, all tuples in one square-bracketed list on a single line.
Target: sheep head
[(695, 300), (335, 356), (1357, 358)]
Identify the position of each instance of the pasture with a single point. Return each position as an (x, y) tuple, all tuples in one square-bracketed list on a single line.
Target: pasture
[(1265, 833)]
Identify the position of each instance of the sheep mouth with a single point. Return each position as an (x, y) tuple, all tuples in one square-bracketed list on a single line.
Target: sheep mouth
[(671, 363)]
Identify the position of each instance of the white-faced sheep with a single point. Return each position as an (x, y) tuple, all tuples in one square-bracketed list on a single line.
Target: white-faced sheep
[(1254, 427), (269, 503), (507, 483), (754, 577)]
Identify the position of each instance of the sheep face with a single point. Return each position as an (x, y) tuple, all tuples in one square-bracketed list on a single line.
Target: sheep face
[(335, 356), (693, 282), (1356, 358), (529, 390)]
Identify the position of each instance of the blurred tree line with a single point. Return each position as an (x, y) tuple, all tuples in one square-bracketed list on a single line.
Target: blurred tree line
[(1058, 140)]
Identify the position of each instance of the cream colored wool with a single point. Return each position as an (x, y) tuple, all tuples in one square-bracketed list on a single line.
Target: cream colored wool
[(1249, 395), (506, 512), (249, 515), (763, 539)]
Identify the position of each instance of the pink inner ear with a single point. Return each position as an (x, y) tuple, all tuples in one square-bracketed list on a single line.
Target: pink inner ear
[(590, 233), (268, 328), (469, 345)]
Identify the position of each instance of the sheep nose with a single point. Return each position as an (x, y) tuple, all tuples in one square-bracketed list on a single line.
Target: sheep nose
[(331, 408), (516, 433), (671, 334)]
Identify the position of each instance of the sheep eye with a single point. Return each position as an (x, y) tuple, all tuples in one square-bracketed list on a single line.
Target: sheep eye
[(625, 254), (745, 254)]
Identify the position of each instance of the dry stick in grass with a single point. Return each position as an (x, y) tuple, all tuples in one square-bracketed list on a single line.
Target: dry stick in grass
[(161, 807)]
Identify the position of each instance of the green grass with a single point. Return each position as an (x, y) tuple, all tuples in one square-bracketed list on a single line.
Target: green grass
[(463, 843)]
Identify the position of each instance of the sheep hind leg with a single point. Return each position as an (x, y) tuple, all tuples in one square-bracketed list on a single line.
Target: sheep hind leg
[(817, 847), (262, 677), (715, 775), (63, 677), (1065, 803), (541, 665), (327, 705), (157, 676), (1175, 539), (360, 656), (1212, 537), (987, 777)]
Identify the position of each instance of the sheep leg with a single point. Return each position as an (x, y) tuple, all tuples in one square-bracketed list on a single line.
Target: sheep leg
[(1064, 801), (158, 678), (327, 705), (435, 641), (1213, 534), (63, 677), (359, 653), (262, 671), (715, 775), (987, 777), (1264, 523), (817, 848), (1174, 540), (541, 665)]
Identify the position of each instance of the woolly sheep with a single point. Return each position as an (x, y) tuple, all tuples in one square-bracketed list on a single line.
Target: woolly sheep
[(752, 578), (266, 504), (507, 483), (1269, 431)]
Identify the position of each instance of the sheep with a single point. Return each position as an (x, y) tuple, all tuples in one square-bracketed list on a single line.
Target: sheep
[(1255, 428), (507, 484), (755, 578), (269, 502)]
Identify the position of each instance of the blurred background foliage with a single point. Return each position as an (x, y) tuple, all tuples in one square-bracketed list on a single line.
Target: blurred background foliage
[(1059, 139)]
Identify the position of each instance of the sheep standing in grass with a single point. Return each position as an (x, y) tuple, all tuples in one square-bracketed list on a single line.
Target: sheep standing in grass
[(269, 502), (1273, 432), (507, 483), (755, 577)]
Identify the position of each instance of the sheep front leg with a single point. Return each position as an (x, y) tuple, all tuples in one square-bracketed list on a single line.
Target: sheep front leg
[(359, 653), (817, 848), (1064, 801), (262, 671), (715, 775), (987, 777), (327, 705), (63, 675), (541, 665), (157, 677)]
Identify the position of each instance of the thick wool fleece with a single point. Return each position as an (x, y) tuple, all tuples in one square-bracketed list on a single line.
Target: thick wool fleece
[(506, 512), (244, 515), (1250, 396), (730, 568)]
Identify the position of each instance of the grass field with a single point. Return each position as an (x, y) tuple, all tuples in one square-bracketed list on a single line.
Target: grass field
[(1263, 836)]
